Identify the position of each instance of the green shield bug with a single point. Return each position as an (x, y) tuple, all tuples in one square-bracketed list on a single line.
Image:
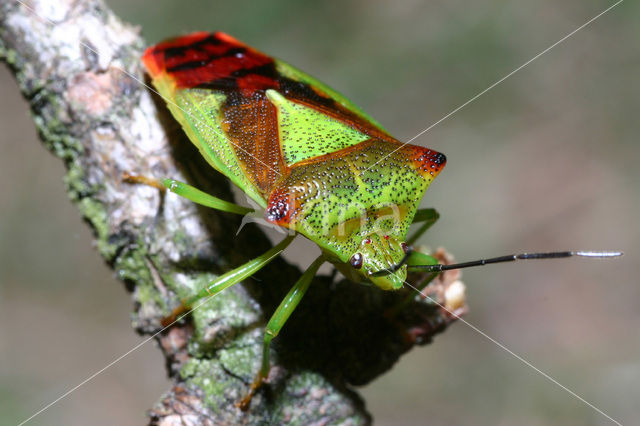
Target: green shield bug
[(317, 164)]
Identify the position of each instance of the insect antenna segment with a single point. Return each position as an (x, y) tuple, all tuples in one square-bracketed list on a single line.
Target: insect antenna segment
[(499, 259)]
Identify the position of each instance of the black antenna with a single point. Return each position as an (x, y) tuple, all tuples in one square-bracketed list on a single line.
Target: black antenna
[(407, 252), (500, 259)]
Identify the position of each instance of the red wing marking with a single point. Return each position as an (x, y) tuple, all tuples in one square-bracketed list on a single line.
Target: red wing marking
[(216, 61), (427, 161), (219, 62)]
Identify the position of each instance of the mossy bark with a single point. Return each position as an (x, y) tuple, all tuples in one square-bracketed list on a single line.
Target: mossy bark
[(78, 66)]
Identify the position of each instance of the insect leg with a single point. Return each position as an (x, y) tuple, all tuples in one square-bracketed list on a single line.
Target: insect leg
[(189, 192), (227, 280), (275, 324), (143, 180), (199, 197), (418, 258), (428, 217)]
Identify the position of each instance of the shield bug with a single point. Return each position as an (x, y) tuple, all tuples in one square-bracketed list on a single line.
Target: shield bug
[(316, 163)]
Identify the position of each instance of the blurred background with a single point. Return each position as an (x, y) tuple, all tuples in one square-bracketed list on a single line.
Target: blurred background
[(546, 160)]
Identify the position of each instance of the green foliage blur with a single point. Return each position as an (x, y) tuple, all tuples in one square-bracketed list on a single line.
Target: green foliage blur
[(546, 160)]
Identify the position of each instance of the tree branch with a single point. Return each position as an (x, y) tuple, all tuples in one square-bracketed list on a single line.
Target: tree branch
[(78, 65)]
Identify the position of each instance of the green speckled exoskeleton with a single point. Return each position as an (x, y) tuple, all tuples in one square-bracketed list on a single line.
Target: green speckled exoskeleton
[(315, 162)]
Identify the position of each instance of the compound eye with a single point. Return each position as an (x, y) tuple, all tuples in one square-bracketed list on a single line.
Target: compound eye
[(405, 247), (356, 261)]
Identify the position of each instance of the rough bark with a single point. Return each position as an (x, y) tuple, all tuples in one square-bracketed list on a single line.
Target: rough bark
[(78, 66)]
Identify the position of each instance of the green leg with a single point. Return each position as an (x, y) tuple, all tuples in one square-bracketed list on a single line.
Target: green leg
[(230, 278), (418, 258), (275, 324), (429, 217), (202, 198), (188, 192)]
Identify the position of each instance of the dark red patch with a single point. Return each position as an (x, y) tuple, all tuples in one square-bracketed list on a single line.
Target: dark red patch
[(356, 261), (428, 161), (277, 211), (253, 82), (281, 208), (218, 61), (215, 61)]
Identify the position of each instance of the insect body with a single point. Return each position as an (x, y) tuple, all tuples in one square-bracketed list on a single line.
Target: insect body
[(313, 160), (319, 165)]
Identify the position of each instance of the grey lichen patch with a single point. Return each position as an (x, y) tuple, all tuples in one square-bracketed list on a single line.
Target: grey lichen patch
[(28, 85), (76, 183), (185, 284), (218, 386), (135, 265), (55, 133), (132, 266), (8, 55), (146, 293), (180, 238), (243, 358), (320, 405), (221, 319), (95, 213)]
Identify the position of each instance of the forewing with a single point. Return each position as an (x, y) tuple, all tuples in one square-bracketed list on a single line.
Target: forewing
[(313, 158), (218, 87), (213, 118)]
